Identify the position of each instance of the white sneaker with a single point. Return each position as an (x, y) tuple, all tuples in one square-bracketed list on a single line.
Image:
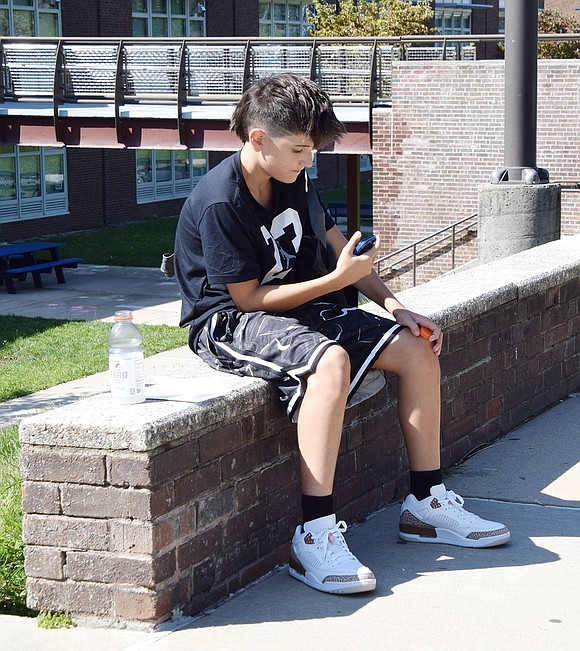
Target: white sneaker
[(441, 518), (320, 557)]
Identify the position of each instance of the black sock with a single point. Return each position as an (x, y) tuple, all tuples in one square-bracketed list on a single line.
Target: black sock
[(421, 482), (314, 507)]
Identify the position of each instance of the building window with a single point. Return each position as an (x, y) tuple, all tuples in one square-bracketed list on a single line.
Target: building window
[(453, 19), (366, 164), (164, 175), (29, 18), (168, 174), (178, 18), (284, 18), (32, 179), (32, 182)]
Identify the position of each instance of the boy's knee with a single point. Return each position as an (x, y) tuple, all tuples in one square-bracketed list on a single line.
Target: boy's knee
[(333, 368), (424, 356), (417, 353)]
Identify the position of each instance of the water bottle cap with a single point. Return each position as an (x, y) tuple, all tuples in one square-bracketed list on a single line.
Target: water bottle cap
[(124, 315)]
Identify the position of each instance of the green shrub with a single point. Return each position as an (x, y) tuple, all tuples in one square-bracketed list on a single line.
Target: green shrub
[(12, 577)]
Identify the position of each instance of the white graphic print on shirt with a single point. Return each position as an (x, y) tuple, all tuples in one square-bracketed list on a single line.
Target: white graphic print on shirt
[(284, 238)]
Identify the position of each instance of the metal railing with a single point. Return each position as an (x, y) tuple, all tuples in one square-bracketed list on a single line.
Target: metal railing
[(384, 266), (177, 79), (189, 71), (204, 69), (568, 186)]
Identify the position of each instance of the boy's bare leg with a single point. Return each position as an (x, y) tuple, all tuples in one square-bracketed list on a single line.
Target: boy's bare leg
[(437, 516), (321, 419), (413, 360), (319, 554)]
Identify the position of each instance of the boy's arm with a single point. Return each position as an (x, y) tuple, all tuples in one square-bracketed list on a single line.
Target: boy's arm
[(250, 296), (376, 290)]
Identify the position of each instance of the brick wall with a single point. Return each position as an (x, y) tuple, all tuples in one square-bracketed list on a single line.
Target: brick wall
[(127, 536), (132, 511), (563, 6), (232, 17), (443, 137), (97, 18)]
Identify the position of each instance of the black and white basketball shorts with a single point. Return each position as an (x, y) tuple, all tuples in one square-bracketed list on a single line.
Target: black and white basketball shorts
[(285, 348)]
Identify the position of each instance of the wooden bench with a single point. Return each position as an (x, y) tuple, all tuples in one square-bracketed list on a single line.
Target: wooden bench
[(38, 268)]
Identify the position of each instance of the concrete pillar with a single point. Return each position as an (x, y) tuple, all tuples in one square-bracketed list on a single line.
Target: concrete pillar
[(516, 217)]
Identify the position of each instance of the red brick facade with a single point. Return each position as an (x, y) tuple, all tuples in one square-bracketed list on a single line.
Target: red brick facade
[(569, 7), (443, 138)]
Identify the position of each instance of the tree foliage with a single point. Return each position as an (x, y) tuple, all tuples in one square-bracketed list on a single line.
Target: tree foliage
[(552, 21), (370, 18)]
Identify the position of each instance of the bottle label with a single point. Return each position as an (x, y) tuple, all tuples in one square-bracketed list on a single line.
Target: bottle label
[(127, 374)]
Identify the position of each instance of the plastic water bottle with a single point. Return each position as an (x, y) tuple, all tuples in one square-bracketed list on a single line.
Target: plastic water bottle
[(126, 366)]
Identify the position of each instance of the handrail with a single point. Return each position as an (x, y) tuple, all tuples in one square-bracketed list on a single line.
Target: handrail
[(412, 38), (414, 247), (568, 185)]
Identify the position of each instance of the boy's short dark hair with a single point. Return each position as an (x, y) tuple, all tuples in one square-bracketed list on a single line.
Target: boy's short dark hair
[(285, 104)]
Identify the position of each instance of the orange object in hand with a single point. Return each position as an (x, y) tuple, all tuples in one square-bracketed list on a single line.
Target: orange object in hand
[(425, 332)]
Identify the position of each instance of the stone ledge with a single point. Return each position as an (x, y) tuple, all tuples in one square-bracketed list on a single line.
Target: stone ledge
[(455, 297), (98, 422)]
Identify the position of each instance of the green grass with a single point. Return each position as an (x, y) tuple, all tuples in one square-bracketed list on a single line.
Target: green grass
[(54, 620), (12, 577), (339, 194), (125, 245), (142, 244), (37, 353)]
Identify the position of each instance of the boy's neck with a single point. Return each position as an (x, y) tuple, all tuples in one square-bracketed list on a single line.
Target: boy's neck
[(259, 183)]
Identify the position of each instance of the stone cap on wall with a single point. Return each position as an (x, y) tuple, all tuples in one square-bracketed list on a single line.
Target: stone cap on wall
[(98, 422), (460, 295)]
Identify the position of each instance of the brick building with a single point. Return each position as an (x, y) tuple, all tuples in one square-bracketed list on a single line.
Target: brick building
[(49, 190), (444, 136)]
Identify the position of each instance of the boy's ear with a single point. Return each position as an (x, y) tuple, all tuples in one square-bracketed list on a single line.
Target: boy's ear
[(256, 138)]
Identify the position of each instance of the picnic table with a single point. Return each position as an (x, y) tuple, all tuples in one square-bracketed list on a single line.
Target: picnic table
[(18, 260)]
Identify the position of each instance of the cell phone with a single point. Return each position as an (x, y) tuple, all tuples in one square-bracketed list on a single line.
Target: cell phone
[(365, 245)]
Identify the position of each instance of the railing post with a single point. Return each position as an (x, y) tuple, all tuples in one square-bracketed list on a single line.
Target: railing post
[(182, 94), (453, 247), (313, 59), (373, 90), (3, 76), (58, 92), (119, 92), (247, 65)]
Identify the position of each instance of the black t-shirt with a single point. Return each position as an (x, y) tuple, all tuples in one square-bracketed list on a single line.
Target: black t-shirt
[(225, 236)]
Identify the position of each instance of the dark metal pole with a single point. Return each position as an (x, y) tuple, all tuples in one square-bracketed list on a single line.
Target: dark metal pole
[(353, 193), (521, 74), (521, 94)]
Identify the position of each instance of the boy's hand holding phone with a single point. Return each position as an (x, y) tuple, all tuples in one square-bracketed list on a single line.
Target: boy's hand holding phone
[(365, 245)]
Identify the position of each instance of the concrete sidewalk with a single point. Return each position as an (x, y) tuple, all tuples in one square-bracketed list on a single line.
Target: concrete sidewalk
[(95, 292), (523, 595)]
